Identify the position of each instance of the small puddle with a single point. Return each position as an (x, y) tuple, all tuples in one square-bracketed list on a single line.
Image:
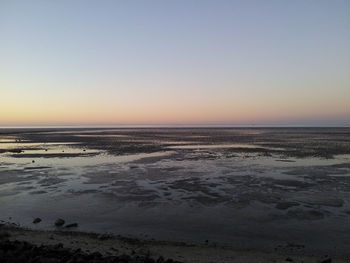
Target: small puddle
[(12, 145), (216, 146), (102, 135)]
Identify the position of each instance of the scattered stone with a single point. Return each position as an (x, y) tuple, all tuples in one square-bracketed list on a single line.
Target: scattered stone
[(59, 222), (37, 220)]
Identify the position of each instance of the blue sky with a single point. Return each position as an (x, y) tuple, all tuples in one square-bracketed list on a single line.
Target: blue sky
[(175, 62)]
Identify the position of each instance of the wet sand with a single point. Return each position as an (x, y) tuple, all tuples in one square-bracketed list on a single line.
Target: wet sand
[(239, 189)]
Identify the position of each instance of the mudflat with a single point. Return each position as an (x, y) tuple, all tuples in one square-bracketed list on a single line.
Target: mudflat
[(281, 193)]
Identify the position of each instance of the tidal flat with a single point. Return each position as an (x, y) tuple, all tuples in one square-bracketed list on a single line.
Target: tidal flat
[(268, 190)]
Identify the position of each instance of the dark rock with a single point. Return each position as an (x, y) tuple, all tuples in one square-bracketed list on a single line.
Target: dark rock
[(4, 234), (59, 222), (37, 220), (305, 214), (289, 259), (104, 236), (96, 255), (328, 260), (58, 246), (285, 205), (160, 260), (72, 225)]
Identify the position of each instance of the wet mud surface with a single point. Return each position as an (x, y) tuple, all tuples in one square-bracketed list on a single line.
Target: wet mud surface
[(254, 188)]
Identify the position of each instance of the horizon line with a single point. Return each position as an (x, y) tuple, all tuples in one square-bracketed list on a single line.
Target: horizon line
[(121, 126)]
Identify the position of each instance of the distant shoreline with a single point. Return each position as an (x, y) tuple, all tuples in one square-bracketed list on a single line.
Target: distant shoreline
[(170, 126)]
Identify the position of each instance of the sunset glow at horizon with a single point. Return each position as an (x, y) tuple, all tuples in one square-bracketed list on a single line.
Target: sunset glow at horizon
[(174, 63)]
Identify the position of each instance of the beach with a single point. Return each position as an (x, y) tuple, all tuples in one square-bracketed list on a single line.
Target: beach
[(23, 245)]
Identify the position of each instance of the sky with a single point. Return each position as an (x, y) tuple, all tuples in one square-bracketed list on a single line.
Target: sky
[(175, 62)]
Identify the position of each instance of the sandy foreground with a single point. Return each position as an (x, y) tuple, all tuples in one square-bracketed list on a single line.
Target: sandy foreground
[(134, 250)]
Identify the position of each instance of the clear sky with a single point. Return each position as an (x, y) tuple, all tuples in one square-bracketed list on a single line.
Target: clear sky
[(174, 62)]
